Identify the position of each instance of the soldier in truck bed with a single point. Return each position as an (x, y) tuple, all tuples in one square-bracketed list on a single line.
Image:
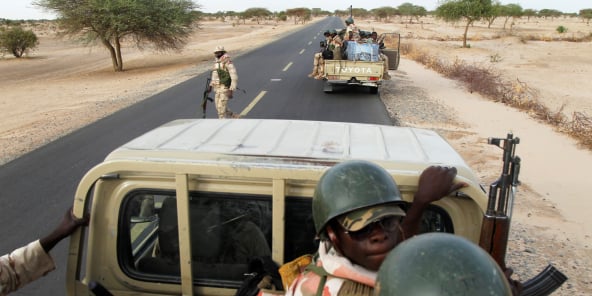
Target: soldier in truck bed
[(358, 218), (383, 57), (318, 59), (336, 45), (352, 33)]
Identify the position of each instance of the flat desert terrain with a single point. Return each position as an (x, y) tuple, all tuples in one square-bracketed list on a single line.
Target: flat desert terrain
[(62, 86)]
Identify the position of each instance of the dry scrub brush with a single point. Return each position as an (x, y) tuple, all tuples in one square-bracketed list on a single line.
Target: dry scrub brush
[(491, 84)]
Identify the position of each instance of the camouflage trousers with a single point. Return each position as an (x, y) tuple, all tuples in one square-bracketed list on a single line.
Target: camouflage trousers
[(223, 94), (318, 68), (385, 61)]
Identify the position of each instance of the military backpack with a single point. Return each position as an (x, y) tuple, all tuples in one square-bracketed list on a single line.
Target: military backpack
[(224, 75)]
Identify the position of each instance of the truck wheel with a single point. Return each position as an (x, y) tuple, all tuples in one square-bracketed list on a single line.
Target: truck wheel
[(373, 90), (328, 88)]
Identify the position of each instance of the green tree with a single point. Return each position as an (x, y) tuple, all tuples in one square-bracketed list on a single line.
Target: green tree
[(511, 11), (468, 10), (257, 13), (412, 11), (300, 14), (18, 41), (552, 13), (493, 14), (528, 13), (586, 14), (360, 12), (164, 23), (385, 12)]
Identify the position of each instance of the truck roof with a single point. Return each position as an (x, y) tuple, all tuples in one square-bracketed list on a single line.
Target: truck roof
[(271, 142)]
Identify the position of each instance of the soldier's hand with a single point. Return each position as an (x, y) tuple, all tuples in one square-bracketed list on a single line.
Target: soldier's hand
[(436, 182), (232, 87), (515, 285)]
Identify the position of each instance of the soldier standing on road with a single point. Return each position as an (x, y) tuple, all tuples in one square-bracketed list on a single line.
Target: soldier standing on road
[(224, 81)]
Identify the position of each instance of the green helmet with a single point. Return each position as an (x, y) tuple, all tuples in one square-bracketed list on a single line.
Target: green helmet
[(349, 186), (440, 264), (349, 20)]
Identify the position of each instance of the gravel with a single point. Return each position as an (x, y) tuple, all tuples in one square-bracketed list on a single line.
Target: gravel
[(530, 248)]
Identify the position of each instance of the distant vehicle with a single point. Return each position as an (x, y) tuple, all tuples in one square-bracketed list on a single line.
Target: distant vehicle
[(179, 209), (361, 64)]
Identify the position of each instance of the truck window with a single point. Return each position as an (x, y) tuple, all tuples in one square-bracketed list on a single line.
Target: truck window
[(436, 219), (227, 231), (300, 230)]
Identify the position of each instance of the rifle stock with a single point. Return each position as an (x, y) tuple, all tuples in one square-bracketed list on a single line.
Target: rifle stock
[(495, 228)]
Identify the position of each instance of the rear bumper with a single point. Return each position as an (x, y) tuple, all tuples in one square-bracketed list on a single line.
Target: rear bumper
[(354, 81)]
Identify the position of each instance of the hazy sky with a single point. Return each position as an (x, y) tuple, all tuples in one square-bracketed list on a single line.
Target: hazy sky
[(22, 9)]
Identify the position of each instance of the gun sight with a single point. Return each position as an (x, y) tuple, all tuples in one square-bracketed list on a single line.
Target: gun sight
[(498, 141)]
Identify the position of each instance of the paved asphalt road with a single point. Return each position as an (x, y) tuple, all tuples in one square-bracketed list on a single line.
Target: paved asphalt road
[(37, 188)]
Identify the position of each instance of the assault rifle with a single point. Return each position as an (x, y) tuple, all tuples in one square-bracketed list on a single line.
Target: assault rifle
[(496, 221), (206, 98)]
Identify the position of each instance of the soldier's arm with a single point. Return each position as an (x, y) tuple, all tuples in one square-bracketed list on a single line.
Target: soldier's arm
[(233, 75), (23, 266), (435, 183)]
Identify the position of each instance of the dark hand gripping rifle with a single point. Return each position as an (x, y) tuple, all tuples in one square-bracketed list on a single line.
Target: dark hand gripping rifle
[(496, 221), (206, 98)]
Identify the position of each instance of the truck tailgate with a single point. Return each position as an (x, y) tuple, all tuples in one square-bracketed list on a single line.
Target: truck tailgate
[(346, 70)]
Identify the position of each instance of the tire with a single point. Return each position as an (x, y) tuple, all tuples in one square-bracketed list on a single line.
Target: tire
[(328, 88)]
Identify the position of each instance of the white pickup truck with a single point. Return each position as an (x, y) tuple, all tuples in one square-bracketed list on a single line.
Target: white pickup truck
[(168, 208), (364, 68), (182, 209)]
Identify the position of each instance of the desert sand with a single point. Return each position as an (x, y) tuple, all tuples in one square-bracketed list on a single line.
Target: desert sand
[(63, 85)]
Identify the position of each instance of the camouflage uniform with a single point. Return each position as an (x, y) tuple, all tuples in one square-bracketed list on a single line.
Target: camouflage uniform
[(383, 57), (23, 266), (224, 93), (337, 273), (318, 68), (353, 29), (337, 44)]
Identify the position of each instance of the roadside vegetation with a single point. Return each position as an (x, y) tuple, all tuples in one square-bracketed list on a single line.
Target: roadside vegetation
[(492, 85), (165, 24), (17, 41)]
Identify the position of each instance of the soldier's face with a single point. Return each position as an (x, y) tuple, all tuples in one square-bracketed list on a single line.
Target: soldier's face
[(368, 250), (219, 54)]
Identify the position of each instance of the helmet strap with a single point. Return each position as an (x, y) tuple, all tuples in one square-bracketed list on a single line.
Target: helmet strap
[(333, 238)]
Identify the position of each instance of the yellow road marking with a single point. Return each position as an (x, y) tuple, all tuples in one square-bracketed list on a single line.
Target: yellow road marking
[(287, 66), (253, 103)]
